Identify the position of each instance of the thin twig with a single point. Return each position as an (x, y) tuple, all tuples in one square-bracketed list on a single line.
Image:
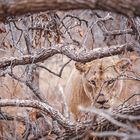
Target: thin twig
[(56, 74)]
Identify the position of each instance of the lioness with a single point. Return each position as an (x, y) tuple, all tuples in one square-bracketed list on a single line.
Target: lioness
[(98, 83)]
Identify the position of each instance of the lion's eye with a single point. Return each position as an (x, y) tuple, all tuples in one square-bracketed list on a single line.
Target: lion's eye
[(93, 82), (110, 82)]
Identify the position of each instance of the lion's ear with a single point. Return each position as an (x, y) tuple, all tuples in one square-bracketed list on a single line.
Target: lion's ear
[(123, 64), (82, 67)]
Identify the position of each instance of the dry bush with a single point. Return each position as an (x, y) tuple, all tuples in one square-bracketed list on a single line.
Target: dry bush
[(37, 54)]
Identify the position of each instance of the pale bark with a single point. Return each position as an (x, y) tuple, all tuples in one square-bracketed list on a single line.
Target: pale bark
[(78, 129), (56, 115), (80, 57), (20, 7)]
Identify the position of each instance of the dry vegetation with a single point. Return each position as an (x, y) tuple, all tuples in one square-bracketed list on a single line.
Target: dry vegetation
[(37, 55)]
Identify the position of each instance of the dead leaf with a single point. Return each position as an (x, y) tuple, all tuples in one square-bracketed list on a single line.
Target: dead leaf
[(32, 115), (2, 29), (81, 33)]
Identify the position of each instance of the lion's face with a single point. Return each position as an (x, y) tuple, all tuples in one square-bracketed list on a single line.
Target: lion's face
[(101, 81)]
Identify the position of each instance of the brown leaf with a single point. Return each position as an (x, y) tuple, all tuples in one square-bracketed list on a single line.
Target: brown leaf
[(2, 30), (81, 33), (32, 115), (57, 39), (129, 23)]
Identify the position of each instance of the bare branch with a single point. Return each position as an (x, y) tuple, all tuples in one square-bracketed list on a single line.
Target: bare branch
[(118, 32), (5, 116), (38, 105), (31, 86), (64, 104), (79, 129), (19, 30), (81, 57), (102, 124), (117, 134), (9, 8), (109, 117), (113, 32), (56, 74)]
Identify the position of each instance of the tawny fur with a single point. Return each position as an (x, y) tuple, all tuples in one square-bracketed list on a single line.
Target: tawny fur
[(101, 70)]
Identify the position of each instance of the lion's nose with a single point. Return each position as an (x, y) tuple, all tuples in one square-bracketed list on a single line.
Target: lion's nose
[(102, 102), (101, 99)]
